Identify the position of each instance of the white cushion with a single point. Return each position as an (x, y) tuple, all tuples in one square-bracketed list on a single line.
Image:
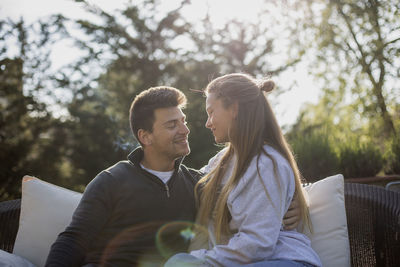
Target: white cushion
[(328, 216), (11, 260), (46, 210)]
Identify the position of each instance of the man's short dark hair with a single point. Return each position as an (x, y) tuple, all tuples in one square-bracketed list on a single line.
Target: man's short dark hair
[(141, 113)]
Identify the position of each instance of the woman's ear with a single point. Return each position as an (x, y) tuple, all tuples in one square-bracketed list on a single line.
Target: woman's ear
[(144, 137)]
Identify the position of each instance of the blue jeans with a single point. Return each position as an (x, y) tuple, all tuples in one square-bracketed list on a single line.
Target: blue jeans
[(184, 260), (187, 260), (279, 263)]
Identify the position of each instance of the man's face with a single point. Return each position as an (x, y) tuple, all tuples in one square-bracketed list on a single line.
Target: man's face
[(170, 133)]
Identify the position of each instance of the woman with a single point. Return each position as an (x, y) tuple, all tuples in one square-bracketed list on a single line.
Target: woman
[(250, 183)]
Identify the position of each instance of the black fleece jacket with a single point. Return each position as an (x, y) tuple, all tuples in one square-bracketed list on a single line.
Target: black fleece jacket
[(128, 217)]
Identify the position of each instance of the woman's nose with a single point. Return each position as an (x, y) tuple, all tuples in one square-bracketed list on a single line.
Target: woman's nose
[(208, 123)]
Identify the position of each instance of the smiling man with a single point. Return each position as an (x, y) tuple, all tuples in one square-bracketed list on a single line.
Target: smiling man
[(124, 206)]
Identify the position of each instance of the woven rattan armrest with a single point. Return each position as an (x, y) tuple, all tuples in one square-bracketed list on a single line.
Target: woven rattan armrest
[(9, 222), (373, 220)]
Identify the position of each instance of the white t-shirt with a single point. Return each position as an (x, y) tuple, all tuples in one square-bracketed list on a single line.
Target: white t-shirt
[(163, 176)]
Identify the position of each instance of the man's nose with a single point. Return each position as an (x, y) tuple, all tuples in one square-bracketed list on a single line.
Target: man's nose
[(184, 129)]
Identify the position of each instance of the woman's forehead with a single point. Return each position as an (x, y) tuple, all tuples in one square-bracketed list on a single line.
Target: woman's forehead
[(211, 100)]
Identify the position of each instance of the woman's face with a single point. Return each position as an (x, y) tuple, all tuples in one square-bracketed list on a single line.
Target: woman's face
[(219, 119)]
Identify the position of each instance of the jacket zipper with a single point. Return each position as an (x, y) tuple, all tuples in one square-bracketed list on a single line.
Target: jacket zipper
[(167, 188)]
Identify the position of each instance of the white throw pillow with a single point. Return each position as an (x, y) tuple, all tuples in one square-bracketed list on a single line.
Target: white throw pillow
[(328, 215), (46, 210)]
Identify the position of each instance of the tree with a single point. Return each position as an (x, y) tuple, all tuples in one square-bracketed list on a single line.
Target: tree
[(141, 50), (356, 49), (124, 53), (27, 136), (134, 49)]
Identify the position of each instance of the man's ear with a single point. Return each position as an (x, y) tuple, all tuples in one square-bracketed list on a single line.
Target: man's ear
[(144, 137)]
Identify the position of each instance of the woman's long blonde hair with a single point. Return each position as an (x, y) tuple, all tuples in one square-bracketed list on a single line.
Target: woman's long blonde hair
[(254, 126)]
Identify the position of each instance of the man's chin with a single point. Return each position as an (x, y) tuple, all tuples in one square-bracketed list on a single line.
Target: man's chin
[(183, 152), (186, 152)]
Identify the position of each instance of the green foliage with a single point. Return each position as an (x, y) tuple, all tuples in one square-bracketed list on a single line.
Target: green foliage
[(354, 47), (393, 158), (141, 46), (92, 142), (144, 55), (315, 156), (360, 160), (28, 141), (327, 130), (24, 127)]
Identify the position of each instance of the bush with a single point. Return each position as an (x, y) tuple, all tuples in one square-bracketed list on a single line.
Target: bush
[(360, 160), (393, 158), (315, 156)]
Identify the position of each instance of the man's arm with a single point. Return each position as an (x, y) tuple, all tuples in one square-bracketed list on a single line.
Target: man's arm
[(292, 217), (71, 246)]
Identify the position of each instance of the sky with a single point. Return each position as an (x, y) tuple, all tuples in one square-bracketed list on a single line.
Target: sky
[(286, 105)]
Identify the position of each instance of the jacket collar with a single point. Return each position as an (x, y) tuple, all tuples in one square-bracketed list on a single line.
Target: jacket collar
[(137, 155)]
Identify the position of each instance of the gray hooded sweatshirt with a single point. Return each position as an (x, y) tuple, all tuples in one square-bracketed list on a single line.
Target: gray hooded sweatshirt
[(257, 206)]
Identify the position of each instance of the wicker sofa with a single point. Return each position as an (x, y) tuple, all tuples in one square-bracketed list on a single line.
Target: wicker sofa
[(373, 218)]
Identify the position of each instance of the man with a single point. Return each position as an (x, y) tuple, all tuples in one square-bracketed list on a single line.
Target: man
[(133, 213)]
